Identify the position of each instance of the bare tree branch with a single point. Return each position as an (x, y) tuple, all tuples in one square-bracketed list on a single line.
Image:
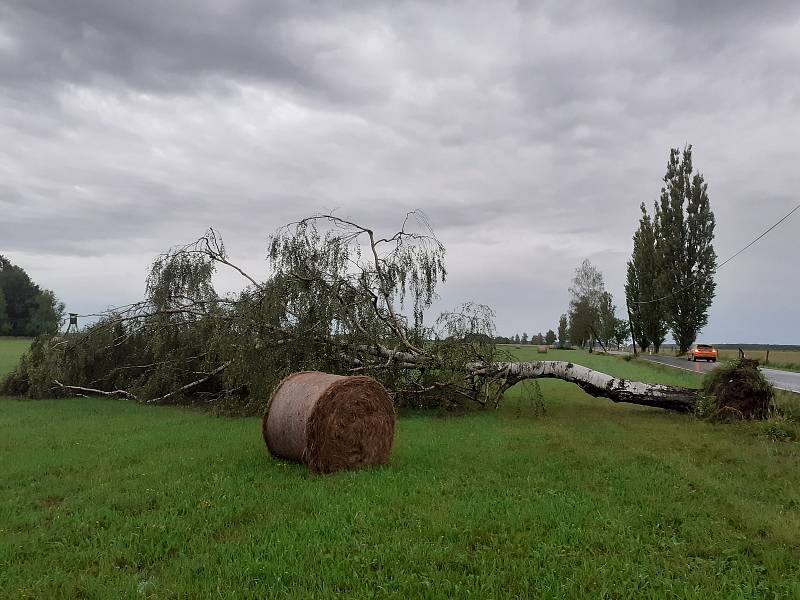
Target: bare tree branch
[(189, 386), (76, 388)]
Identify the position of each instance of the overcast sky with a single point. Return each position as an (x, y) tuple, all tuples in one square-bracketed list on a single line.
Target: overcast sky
[(529, 133)]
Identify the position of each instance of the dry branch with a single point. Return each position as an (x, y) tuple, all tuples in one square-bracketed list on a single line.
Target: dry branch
[(77, 388), (195, 383)]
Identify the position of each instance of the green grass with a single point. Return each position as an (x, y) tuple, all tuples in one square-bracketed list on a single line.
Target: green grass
[(10, 351), (103, 498)]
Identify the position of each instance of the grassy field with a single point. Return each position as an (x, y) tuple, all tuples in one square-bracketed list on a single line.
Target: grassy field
[(10, 351), (103, 498), (778, 359)]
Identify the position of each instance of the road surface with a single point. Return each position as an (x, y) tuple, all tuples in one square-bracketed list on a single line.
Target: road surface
[(782, 380)]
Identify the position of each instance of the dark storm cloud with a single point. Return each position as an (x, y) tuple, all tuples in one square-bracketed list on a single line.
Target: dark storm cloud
[(167, 47), (528, 132)]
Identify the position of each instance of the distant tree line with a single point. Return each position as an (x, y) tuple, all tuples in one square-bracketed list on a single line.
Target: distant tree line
[(25, 308), (537, 339), (670, 277)]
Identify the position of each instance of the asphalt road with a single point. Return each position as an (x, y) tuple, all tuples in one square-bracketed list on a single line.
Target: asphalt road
[(783, 380)]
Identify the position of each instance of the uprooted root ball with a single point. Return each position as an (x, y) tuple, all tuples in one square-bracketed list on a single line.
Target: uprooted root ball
[(740, 390)]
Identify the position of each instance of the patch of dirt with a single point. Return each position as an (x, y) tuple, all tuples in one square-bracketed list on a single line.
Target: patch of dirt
[(51, 502)]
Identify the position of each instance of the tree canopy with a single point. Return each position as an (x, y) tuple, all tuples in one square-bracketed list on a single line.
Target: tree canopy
[(591, 309), (684, 226), (338, 298), (670, 276), (642, 287), (25, 308)]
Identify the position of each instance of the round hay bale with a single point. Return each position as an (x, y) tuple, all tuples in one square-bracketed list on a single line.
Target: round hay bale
[(330, 422), (541, 349)]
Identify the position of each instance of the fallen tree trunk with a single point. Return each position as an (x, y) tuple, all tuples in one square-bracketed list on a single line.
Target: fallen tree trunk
[(594, 383)]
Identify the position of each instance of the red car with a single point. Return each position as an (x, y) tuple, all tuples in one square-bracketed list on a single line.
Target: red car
[(702, 351)]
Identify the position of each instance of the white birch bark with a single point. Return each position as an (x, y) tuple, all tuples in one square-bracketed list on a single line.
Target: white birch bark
[(593, 383)]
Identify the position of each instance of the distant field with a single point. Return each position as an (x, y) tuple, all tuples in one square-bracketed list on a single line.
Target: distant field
[(780, 359), (105, 498), (10, 351)]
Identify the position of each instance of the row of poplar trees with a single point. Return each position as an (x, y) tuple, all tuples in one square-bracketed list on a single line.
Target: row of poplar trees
[(670, 278)]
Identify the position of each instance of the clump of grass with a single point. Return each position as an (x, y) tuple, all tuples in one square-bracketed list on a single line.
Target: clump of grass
[(779, 428), (783, 423), (706, 406)]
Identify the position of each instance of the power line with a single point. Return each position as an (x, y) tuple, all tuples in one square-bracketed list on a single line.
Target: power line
[(727, 260), (786, 216)]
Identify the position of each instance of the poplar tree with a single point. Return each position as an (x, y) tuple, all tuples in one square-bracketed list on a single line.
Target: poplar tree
[(642, 287), (684, 233), (563, 330)]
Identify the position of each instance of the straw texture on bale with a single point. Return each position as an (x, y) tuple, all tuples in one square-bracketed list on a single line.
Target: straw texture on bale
[(330, 422), (541, 349)]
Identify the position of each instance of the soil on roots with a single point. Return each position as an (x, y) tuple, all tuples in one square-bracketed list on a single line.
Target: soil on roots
[(740, 390)]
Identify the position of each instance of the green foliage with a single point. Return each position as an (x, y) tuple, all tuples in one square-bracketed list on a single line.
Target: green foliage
[(684, 230), (608, 319), (47, 315), (461, 336), (26, 309), (591, 309), (621, 331), (339, 299), (778, 428), (642, 287), (550, 337), (706, 405), (530, 401), (5, 324), (563, 330)]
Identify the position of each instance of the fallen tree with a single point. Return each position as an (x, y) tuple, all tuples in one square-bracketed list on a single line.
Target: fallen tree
[(594, 383), (339, 298)]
